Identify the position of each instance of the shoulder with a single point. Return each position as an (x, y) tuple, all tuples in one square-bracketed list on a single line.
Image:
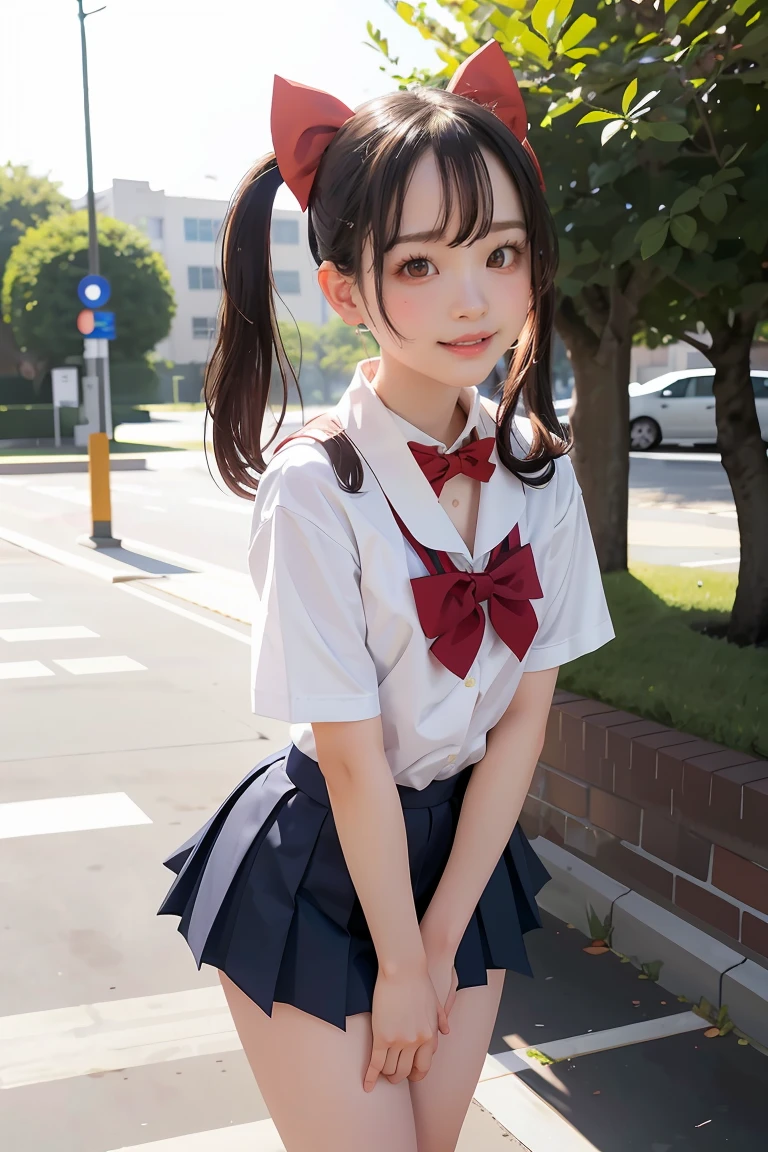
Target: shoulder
[(300, 480)]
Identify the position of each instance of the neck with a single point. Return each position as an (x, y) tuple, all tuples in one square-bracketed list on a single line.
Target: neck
[(428, 404)]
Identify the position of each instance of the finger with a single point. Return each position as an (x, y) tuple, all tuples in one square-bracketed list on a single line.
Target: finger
[(442, 1020), (390, 1064), (422, 1061), (378, 1056), (404, 1065), (452, 994)]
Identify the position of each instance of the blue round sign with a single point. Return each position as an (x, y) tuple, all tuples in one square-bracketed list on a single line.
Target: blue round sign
[(94, 291)]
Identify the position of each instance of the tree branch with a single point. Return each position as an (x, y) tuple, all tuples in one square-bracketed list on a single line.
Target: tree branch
[(697, 344)]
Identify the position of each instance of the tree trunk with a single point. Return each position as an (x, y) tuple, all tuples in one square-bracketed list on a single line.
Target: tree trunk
[(9, 353), (746, 464)]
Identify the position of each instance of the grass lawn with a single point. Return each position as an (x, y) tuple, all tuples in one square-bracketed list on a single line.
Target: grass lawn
[(661, 668)]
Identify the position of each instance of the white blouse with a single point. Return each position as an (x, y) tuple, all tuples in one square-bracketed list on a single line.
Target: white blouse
[(336, 635)]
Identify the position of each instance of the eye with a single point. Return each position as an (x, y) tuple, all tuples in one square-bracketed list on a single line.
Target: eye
[(417, 269), (504, 257)]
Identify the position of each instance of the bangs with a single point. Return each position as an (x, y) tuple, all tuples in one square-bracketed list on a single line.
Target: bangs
[(466, 192)]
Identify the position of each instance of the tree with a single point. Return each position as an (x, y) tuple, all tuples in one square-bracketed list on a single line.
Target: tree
[(325, 355), (40, 287), (25, 201), (613, 190)]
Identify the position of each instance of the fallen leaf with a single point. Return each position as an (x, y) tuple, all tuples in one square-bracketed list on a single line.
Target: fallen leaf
[(711, 1033), (742, 1042), (663, 1002), (594, 950), (596, 1093), (570, 925), (702, 1123), (636, 1003), (600, 943)]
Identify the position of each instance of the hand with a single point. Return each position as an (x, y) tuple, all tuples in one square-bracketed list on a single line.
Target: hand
[(442, 973), (407, 1017)]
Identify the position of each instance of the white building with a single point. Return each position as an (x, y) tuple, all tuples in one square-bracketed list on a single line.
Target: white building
[(185, 231)]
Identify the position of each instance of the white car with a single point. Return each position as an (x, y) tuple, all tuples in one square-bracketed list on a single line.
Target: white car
[(678, 407)]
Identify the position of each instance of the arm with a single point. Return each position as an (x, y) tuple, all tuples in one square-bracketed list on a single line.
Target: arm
[(490, 810), (369, 821)]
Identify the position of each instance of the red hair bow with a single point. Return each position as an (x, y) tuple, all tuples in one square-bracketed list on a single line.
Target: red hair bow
[(305, 120)]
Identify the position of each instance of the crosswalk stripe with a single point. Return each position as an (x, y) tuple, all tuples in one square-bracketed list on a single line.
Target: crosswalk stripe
[(38, 1047), (17, 597), (23, 669), (258, 1137), (69, 814), (90, 665), (68, 632)]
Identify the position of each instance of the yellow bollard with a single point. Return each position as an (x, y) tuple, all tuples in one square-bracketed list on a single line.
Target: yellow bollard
[(101, 504)]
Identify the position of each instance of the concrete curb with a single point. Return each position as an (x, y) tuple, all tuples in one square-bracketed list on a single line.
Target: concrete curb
[(694, 964), (10, 466)]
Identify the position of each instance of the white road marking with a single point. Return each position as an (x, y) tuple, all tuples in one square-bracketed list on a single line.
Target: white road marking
[(91, 665), (709, 563), (68, 632), (258, 1137), (66, 492), (243, 637), (23, 669), (69, 814), (17, 597), (222, 505), (154, 508), (529, 1118), (640, 1032)]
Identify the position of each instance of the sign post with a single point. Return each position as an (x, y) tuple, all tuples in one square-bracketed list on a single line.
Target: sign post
[(65, 395), (97, 328)]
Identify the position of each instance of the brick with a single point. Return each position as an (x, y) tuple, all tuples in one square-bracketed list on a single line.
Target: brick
[(633, 869), (670, 841), (561, 696), (596, 728), (669, 761), (553, 752), (645, 749), (563, 792), (572, 729), (698, 771), (539, 819), (706, 906), (615, 815), (727, 787), (621, 738), (754, 933), (754, 820), (740, 878), (585, 839)]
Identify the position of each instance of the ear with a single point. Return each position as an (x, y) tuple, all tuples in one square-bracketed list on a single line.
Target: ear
[(340, 293)]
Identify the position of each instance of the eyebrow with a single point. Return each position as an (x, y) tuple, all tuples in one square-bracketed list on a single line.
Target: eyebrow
[(425, 237)]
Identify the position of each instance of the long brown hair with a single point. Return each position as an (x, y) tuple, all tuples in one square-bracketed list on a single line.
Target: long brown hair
[(358, 195)]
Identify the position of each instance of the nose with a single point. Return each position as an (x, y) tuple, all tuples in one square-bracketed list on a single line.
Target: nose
[(470, 302)]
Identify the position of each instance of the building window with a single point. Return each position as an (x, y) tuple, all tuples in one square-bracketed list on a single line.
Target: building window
[(287, 283), (201, 228), (285, 231), (203, 327), (205, 277), (154, 227)]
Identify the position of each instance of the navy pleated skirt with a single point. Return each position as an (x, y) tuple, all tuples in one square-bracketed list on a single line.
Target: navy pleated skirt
[(263, 892)]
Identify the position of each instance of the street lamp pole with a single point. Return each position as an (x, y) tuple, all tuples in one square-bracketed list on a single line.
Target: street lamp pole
[(96, 351)]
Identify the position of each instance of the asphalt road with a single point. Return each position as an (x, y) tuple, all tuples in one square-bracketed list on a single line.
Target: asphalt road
[(681, 508)]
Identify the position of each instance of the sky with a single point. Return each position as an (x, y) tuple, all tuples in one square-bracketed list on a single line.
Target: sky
[(179, 89)]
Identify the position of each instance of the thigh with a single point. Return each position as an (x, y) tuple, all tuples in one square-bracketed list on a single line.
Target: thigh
[(311, 1077), (441, 1099)]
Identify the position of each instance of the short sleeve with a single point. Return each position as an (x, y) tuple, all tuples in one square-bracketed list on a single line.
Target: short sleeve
[(575, 616), (309, 660)]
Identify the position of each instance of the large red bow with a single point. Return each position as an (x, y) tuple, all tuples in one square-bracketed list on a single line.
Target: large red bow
[(473, 460), (449, 608), (305, 120)]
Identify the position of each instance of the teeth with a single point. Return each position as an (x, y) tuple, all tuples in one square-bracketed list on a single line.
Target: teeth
[(467, 343)]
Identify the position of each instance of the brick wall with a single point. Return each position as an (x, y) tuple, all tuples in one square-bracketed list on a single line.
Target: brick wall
[(683, 821)]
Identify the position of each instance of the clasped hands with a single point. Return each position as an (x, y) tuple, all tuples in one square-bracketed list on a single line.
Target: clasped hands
[(410, 1011)]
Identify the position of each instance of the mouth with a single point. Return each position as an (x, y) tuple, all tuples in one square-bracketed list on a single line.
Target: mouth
[(470, 345)]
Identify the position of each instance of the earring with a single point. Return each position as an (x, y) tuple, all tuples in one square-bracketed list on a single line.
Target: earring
[(361, 328)]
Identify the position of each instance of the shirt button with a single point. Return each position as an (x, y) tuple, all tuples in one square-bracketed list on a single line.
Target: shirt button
[(451, 758), (470, 682)]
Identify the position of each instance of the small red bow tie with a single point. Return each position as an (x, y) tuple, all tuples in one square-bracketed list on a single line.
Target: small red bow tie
[(449, 608), (438, 467)]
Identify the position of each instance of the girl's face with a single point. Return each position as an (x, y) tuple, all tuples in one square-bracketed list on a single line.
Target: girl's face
[(456, 309)]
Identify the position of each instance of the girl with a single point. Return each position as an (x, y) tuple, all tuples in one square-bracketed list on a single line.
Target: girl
[(423, 565)]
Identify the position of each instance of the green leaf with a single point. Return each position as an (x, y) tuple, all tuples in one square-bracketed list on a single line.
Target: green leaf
[(629, 94), (593, 117), (656, 242), (694, 12), (650, 228), (581, 27), (542, 11), (743, 1042), (683, 229), (714, 206), (405, 11), (534, 44), (686, 201), (663, 130), (742, 6), (700, 241), (755, 35)]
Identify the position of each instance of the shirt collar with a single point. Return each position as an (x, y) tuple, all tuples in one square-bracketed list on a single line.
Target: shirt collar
[(381, 436)]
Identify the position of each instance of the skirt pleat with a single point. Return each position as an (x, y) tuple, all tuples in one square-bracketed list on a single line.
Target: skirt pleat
[(263, 893)]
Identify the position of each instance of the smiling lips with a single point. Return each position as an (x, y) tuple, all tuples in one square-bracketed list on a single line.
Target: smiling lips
[(471, 344)]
